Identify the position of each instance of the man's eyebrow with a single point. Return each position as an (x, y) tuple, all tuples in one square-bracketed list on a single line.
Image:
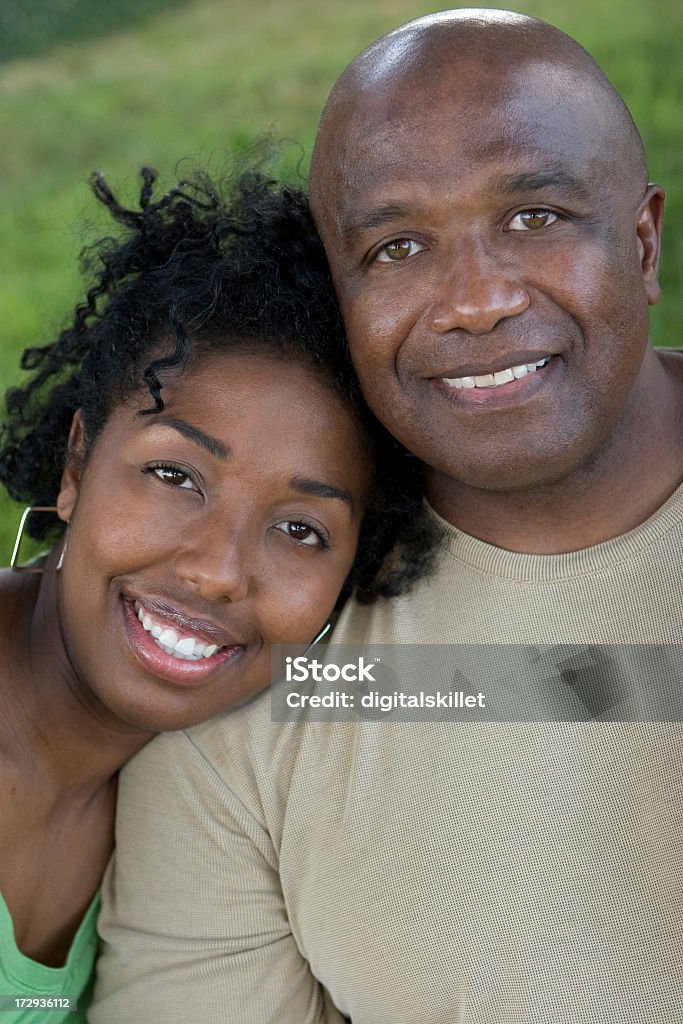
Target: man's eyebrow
[(194, 434), (508, 184), (376, 217), (320, 489), (527, 181)]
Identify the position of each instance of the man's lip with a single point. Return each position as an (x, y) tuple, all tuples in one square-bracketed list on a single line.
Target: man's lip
[(203, 628), (504, 396), (483, 369)]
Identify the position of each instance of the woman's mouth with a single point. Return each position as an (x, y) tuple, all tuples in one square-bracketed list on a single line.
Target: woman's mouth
[(178, 644), (171, 651)]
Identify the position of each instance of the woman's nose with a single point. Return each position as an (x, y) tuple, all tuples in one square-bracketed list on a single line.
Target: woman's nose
[(214, 561)]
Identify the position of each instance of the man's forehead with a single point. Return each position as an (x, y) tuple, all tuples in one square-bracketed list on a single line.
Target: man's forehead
[(519, 96), (519, 132), (470, 95)]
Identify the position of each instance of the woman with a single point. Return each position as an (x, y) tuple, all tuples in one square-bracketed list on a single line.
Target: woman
[(209, 468)]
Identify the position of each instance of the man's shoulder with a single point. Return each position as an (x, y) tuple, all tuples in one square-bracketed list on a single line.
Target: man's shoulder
[(672, 358), (408, 617), (213, 750), (625, 590)]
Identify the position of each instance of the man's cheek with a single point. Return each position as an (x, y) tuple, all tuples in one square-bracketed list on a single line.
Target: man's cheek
[(375, 332)]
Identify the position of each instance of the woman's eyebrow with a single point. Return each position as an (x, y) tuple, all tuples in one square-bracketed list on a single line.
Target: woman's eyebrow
[(320, 489), (211, 444), (194, 434)]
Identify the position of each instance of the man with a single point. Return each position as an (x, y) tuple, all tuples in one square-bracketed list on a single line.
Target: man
[(482, 195)]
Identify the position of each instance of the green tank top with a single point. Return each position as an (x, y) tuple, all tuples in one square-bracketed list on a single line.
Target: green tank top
[(32, 993)]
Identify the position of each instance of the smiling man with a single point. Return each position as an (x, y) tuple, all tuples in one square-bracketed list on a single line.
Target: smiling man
[(482, 195), (483, 198)]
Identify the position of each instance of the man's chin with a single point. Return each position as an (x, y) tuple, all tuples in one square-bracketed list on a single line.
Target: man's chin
[(511, 476)]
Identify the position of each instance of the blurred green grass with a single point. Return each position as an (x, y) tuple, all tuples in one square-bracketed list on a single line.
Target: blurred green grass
[(31, 27), (155, 81)]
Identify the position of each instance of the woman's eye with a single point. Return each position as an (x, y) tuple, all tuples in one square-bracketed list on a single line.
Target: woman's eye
[(302, 533), (173, 476), (398, 249), (531, 220)]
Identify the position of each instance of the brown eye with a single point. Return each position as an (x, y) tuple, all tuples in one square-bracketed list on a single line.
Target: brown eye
[(172, 475), (398, 249), (302, 533), (531, 220)]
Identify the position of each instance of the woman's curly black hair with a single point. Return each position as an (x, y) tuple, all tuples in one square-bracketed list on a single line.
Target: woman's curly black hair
[(205, 267)]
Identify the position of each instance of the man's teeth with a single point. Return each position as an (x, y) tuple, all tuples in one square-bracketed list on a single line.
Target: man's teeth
[(492, 380), (187, 648)]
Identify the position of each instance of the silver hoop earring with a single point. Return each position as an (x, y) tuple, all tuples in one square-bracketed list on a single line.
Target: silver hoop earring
[(320, 635), (60, 563), (20, 535)]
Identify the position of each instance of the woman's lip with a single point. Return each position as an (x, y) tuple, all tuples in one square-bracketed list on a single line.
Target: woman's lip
[(166, 666), (203, 629)]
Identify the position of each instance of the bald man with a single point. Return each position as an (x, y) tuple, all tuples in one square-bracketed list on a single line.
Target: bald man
[(482, 194), (483, 198)]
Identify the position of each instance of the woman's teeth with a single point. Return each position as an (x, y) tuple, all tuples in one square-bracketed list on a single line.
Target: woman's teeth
[(493, 380), (186, 648)]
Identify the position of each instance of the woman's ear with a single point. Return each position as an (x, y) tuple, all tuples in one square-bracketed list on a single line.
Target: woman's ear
[(73, 469)]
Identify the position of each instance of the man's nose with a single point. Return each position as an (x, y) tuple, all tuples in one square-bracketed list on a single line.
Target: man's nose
[(477, 291), (215, 560)]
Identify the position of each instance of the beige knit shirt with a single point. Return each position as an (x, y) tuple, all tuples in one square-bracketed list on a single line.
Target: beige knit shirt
[(443, 873)]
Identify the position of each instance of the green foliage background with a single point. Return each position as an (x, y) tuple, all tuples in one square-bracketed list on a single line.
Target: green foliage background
[(115, 84)]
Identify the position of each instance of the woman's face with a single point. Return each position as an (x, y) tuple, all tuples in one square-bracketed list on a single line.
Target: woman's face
[(203, 534)]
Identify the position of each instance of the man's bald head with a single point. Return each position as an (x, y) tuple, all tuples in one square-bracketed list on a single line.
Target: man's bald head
[(460, 53), (481, 192)]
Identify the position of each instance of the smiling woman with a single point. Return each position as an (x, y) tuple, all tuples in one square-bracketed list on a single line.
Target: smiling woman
[(208, 532), (211, 484)]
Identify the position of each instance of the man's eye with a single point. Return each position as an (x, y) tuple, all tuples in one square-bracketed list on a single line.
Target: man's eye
[(173, 476), (531, 220), (398, 249), (302, 533)]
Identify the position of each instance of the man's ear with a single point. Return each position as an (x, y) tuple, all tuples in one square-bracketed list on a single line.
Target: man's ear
[(649, 232), (73, 469)]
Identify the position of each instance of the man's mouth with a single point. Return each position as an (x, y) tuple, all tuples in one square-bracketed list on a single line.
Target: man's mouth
[(498, 378), (179, 644)]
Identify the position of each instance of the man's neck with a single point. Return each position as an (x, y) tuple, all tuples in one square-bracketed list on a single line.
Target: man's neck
[(633, 474)]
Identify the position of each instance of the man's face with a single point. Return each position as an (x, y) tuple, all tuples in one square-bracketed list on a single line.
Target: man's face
[(494, 271)]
